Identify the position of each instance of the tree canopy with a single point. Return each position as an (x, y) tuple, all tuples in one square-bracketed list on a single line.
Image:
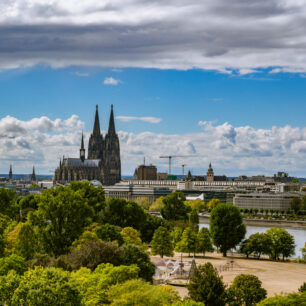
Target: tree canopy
[(162, 243), (174, 207)]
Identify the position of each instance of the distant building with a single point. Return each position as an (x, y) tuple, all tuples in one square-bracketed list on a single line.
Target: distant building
[(33, 177), (162, 176), (210, 174), (144, 172), (264, 200), (103, 163), (11, 174)]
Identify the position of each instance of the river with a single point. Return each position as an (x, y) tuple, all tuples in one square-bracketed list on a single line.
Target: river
[(298, 233)]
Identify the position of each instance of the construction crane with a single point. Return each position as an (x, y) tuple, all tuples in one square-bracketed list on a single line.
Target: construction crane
[(170, 159)]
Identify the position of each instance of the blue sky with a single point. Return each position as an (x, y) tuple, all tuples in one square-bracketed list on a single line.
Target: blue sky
[(180, 98), (221, 80)]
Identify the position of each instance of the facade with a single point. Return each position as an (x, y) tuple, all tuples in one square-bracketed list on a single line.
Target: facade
[(264, 200), (103, 162), (144, 172)]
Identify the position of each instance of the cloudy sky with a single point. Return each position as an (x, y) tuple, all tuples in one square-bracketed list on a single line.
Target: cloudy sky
[(222, 80)]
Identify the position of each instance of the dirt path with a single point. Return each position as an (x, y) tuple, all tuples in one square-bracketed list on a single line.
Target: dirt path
[(276, 277)]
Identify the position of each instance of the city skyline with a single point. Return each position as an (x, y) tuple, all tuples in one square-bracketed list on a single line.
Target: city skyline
[(225, 82)]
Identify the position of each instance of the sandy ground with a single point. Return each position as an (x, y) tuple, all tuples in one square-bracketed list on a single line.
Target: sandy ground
[(276, 277)]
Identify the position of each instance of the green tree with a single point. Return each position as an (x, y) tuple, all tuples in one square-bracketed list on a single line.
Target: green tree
[(213, 203), (8, 284), (137, 292), (29, 201), (133, 254), (2, 246), (95, 196), (94, 285), (4, 223), (303, 287), (143, 202), (157, 205), (86, 236), (281, 243), (174, 208), (259, 243), (49, 286), (8, 205), (108, 232), (246, 290), (188, 242), (176, 235), (226, 227), (293, 299), (304, 202), (304, 252), (92, 253), (296, 204), (195, 204), (61, 217), (26, 244), (123, 213), (206, 286), (12, 262), (161, 243), (204, 241), (131, 236), (149, 225), (194, 219)]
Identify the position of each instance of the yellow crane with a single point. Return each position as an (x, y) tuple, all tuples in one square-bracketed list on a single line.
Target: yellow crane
[(170, 159)]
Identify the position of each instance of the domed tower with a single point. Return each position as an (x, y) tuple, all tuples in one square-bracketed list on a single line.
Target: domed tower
[(210, 174), (112, 162)]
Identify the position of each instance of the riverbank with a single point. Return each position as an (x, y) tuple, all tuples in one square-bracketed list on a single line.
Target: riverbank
[(265, 223)]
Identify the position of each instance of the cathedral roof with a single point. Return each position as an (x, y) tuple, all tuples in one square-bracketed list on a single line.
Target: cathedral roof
[(77, 162)]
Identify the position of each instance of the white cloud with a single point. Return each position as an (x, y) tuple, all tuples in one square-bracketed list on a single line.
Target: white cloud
[(82, 74), (111, 81), (181, 34), (145, 119), (232, 150)]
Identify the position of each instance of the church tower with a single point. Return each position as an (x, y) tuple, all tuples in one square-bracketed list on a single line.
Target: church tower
[(96, 144), (82, 150), (33, 176), (11, 173), (112, 174), (210, 174)]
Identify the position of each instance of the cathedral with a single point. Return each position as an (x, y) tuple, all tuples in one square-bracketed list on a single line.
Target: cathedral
[(103, 161)]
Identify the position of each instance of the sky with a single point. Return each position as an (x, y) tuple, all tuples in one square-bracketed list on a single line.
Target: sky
[(224, 81)]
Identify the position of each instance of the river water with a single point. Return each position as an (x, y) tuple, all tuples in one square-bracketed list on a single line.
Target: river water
[(298, 233)]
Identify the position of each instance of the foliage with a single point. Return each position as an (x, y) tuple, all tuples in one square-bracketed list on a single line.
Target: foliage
[(94, 195), (131, 236), (132, 254), (293, 299), (161, 243), (149, 225), (206, 286), (61, 217), (296, 204), (4, 222), (92, 253), (86, 235), (304, 252), (174, 208), (11, 237), (12, 262), (303, 287), (143, 202), (29, 201), (2, 246), (246, 290), (123, 213), (213, 203), (281, 243), (8, 284), (8, 205), (188, 242), (226, 227), (157, 205), (176, 234), (203, 243), (187, 302), (49, 286), (258, 243), (108, 232), (194, 219), (94, 285), (195, 204), (137, 292), (26, 243)]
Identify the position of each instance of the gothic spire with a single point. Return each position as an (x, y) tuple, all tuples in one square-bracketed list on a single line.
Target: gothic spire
[(11, 173), (82, 142), (96, 129), (111, 126), (33, 175)]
